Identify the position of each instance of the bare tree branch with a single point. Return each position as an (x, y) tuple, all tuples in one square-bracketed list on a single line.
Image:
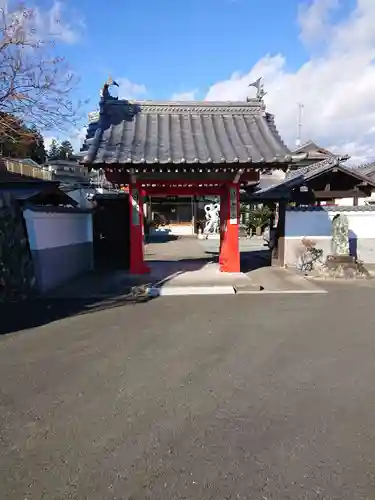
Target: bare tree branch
[(36, 85)]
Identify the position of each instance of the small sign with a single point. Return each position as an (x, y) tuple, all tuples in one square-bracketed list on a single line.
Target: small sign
[(233, 208), (135, 207)]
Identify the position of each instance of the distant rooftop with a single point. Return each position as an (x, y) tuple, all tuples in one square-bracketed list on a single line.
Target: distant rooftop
[(367, 169), (27, 161)]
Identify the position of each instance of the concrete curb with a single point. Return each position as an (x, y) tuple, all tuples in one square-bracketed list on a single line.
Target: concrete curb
[(180, 291), (281, 292), (189, 290)]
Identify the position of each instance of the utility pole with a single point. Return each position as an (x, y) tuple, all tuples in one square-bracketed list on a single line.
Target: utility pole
[(299, 124)]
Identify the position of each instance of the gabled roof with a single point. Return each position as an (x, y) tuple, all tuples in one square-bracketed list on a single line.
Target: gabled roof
[(27, 161), (7, 177), (313, 149), (183, 132), (305, 174), (39, 195), (71, 162), (367, 169), (318, 166)]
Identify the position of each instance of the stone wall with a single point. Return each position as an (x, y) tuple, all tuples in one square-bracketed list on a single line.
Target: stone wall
[(17, 279)]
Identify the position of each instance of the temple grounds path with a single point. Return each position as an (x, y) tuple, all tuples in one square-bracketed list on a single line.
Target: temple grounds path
[(243, 397)]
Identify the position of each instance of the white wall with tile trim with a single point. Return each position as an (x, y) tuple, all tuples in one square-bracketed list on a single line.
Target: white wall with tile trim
[(315, 223)]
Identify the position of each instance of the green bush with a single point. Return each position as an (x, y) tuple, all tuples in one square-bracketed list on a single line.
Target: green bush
[(259, 217)]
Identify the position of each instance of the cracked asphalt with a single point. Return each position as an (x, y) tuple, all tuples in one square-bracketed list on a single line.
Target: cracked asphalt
[(227, 397)]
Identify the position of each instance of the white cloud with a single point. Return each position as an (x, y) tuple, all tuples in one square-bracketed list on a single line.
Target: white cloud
[(54, 22), (45, 24), (336, 87), (129, 90), (314, 20), (189, 95)]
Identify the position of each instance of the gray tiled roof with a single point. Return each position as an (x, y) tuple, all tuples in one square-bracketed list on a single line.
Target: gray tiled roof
[(304, 174), (367, 169), (333, 208), (314, 167), (188, 132), (313, 149)]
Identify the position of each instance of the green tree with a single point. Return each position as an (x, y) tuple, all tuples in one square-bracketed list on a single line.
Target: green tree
[(53, 151), (37, 151), (66, 151)]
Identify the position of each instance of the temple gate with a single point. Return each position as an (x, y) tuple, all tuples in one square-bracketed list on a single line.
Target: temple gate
[(184, 148)]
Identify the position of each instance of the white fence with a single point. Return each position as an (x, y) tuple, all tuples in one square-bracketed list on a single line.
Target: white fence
[(315, 223), (61, 244)]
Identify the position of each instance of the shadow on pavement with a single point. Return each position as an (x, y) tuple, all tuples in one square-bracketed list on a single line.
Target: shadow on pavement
[(255, 259), (34, 313), (98, 291), (161, 237)]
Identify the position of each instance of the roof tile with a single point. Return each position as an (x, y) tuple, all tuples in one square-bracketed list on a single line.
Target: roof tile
[(204, 132)]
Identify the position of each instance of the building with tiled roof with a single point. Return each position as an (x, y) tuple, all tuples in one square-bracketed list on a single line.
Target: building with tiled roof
[(329, 180)]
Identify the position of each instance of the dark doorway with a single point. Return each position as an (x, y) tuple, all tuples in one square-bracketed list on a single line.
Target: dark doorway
[(111, 231)]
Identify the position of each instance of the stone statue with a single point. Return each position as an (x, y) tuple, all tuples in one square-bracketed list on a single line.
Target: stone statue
[(212, 217), (340, 235)]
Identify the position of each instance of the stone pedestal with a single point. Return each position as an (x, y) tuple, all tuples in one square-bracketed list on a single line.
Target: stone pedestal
[(344, 266)]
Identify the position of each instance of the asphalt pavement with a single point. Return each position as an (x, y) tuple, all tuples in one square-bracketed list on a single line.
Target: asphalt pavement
[(243, 397)]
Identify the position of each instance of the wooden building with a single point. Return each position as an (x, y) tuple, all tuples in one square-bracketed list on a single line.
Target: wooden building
[(322, 182)]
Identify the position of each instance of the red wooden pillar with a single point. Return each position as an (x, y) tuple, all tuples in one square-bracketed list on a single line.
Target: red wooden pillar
[(229, 259), (137, 263), (223, 220)]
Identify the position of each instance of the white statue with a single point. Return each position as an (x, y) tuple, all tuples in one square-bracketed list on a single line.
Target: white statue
[(213, 218)]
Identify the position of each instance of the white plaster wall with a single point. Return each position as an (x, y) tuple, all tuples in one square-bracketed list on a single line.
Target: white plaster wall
[(175, 230), (179, 230), (346, 202), (317, 226), (57, 229)]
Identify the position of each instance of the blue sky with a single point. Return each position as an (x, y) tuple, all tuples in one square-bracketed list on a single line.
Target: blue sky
[(172, 46), (316, 52)]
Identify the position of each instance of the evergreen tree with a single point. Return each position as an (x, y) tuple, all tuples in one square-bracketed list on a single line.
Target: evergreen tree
[(66, 151), (53, 151), (37, 151)]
